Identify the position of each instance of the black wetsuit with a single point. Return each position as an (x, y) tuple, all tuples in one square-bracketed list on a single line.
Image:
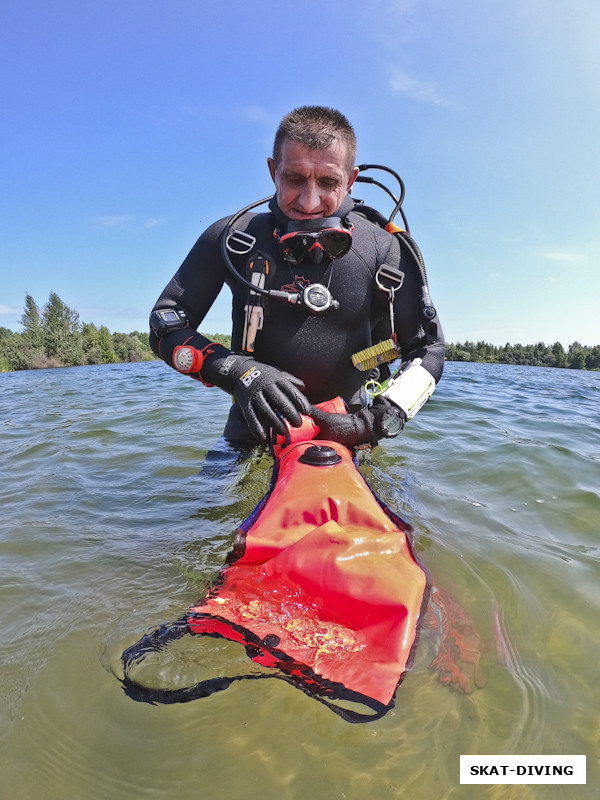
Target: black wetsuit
[(316, 349)]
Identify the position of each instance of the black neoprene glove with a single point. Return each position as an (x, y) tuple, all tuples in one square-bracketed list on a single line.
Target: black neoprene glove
[(262, 392), (366, 426)]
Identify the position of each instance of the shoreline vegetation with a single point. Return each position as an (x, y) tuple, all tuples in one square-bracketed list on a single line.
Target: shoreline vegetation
[(55, 337)]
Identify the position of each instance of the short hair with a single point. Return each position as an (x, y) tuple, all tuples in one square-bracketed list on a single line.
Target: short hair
[(318, 128)]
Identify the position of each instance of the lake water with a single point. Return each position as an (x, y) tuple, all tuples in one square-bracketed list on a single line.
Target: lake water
[(108, 527)]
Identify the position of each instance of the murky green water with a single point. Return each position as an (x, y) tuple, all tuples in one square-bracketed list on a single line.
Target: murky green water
[(108, 527)]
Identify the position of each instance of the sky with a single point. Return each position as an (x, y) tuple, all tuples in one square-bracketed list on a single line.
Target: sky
[(128, 126)]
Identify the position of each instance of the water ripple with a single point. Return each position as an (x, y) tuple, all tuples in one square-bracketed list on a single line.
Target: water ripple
[(114, 521)]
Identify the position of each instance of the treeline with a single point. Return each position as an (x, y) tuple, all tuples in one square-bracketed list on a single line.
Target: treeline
[(577, 356), (55, 337)]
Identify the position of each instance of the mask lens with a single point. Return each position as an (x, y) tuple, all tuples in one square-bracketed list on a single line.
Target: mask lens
[(336, 243), (294, 247)]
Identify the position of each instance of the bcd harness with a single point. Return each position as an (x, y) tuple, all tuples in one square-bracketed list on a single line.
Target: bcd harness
[(318, 238)]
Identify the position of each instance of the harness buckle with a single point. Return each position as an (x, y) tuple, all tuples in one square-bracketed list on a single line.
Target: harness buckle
[(240, 242), (394, 277)]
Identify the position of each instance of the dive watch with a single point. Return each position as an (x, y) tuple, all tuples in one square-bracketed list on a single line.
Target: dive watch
[(391, 422)]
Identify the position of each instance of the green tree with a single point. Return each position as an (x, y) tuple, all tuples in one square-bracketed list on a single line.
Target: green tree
[(18, 353), (592, 358), (28, 349), (127, 348), (106, 346), (462, 355), (32, 323), (576, 356), (220, 338), (485, 352), (451, 352), (144, 339), (62, 332), (5, 346), (97, 344), (560, 357)]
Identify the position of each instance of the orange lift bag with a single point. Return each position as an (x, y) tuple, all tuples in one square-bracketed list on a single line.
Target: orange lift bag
[(322, 585)]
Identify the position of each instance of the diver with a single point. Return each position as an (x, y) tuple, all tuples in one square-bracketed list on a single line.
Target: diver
[(322, 295)]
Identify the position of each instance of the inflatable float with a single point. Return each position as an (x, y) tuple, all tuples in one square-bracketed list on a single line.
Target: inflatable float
[(322, 586)]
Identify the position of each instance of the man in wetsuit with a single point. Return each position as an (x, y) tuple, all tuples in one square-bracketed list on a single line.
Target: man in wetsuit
[(302, 353)]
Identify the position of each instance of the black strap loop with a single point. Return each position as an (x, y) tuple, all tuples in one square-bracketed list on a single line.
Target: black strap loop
[(300, 676)]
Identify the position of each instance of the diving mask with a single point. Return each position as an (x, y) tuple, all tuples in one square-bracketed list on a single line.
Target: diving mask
[(315, 238)]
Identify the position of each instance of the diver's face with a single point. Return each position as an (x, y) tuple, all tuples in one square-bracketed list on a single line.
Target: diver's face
[(311, 183)]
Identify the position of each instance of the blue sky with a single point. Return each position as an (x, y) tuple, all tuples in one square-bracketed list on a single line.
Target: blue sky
[(130, 125)]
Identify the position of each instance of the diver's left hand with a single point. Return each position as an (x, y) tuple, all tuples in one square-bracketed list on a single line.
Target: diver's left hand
[(366, 426)]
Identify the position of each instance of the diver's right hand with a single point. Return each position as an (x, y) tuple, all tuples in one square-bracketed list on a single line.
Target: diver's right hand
[(264, 394)]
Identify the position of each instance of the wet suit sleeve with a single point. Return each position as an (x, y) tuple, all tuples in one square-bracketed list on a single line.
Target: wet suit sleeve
[(193, 290), (418, 337), (263, 393)]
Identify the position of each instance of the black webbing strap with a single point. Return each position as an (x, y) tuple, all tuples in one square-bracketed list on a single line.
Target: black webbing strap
[(300, 676)]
